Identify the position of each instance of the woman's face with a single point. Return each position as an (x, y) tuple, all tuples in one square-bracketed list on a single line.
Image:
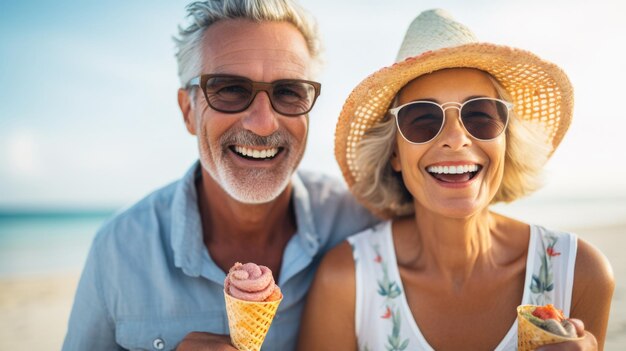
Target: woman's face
[(423, 166)]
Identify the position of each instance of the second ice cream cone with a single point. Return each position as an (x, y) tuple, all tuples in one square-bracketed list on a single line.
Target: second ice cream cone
[(530, 336)]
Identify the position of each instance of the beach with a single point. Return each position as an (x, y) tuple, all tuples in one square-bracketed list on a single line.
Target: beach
[(34, 309), (612, 242)]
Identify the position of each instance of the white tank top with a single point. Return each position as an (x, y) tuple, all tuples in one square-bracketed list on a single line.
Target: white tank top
[(382, 316)]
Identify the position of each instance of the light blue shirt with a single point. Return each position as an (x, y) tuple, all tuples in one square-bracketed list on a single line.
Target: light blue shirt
[(149, 279)]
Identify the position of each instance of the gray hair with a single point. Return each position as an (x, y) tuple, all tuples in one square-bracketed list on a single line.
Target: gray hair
[(205, 13), (527, 151)]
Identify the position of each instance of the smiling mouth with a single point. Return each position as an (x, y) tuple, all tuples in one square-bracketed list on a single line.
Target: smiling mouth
[(255, 154), (454, 174)]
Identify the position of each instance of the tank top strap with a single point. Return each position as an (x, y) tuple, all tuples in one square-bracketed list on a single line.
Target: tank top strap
[(550, 268), (383, 319)]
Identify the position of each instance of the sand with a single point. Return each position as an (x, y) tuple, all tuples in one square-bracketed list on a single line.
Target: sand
[(611, 240), (34, 310)]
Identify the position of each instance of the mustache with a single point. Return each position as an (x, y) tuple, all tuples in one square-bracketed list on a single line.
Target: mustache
[(246, 137)]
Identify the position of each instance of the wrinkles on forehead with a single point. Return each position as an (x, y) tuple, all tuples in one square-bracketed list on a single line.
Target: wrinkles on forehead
[(281, 61), (260, 51)]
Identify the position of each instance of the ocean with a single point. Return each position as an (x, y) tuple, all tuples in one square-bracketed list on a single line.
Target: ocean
[(36, 242), (567, 213), (44, 242)]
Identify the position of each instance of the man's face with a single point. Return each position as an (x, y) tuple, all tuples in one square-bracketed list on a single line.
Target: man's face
[(251, 154)]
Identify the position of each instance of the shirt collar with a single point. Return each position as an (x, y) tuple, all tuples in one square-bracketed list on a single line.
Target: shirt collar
[(186, 228), (309, 237)]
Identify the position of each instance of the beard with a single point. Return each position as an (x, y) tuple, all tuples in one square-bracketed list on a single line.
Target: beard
[(248, 184)]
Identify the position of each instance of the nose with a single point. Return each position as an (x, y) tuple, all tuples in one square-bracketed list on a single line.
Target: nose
[(260, 117), (453, 135)]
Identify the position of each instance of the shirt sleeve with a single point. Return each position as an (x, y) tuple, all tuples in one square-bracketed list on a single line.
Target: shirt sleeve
[(338, 214), (90, 326), (351, 218)]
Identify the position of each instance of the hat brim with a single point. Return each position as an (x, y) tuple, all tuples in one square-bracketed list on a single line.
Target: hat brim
[(540, 91)]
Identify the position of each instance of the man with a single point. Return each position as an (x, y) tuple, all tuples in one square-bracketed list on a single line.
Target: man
[(155, 272)]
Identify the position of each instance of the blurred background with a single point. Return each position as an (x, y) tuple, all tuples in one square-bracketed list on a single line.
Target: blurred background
[(89, 124)]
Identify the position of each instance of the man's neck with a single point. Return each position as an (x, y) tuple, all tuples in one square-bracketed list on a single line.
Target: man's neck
[(237, 232)]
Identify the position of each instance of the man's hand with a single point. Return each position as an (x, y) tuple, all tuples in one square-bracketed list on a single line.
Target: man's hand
[(589, 342), (201, 341)]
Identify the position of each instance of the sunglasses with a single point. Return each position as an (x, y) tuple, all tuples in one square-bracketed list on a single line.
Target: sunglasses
[(421, 121), (232, 94)]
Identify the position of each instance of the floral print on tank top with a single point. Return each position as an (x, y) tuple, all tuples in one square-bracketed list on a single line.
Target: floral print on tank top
[(542, 282), (390, 310)]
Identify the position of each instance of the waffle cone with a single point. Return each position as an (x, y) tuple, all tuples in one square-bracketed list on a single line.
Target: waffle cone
[(249, 321), (530, 336)]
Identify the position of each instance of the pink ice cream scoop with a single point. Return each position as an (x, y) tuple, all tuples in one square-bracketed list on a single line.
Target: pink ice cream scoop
[(250, 282)]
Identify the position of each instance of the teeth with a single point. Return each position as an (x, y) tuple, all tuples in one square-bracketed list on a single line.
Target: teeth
[(452, 169), (267, 153)]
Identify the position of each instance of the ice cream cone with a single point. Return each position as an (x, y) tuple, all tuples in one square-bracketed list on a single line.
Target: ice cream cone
[(530, 336), (249, 321)]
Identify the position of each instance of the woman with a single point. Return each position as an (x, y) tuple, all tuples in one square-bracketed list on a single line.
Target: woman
[(470, 124)]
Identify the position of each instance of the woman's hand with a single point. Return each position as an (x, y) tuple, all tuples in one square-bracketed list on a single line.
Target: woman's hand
[(588, 343)]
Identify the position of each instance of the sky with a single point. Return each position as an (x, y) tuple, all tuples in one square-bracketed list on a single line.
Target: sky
[(88, 111)]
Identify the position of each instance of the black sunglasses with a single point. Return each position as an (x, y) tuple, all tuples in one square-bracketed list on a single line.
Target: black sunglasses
[(232, 94), (421, 121)]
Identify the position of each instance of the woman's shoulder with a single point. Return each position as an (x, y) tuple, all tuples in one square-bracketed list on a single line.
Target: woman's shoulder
[(593, 269), (335, 276), (593, 289), (593, 275)]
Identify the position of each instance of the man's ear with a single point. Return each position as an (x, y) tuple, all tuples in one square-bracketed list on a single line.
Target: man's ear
[(184, 102), (395, 160)]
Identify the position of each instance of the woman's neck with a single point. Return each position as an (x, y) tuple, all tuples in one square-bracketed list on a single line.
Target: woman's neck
[(452, 248)]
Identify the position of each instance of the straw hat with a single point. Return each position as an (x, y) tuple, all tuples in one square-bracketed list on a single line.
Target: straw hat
[(539, 89)]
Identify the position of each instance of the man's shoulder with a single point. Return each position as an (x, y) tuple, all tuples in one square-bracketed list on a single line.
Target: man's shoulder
[(321, 185), (334, 210), (142, 218), (329, 194)]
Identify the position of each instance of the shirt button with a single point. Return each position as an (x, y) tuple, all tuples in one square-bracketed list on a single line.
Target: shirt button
[(158, 344)]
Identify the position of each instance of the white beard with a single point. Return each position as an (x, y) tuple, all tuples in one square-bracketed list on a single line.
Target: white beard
[(255, 186), (252, 185)]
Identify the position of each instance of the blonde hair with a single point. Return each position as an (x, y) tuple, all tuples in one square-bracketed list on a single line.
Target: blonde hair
[(205, 13), (527, 150)]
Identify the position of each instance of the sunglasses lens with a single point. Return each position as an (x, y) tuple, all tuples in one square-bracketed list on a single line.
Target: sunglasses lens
[(420, 122), (484, 119), (228, 94), (232, 94), (292, 97)]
